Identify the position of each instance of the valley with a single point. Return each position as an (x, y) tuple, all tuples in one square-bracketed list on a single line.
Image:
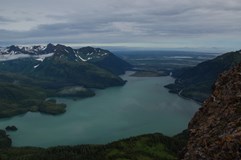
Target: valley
[(101, 106), (165, 61), (120, 80)]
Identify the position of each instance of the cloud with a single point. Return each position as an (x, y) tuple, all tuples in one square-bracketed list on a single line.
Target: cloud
[(111, 21), (5, 20)]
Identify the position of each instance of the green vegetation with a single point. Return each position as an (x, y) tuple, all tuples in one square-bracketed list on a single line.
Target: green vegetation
[(26, 83), (113, 64), (62, 73), (5, 141), (145, 147), (17, 98), (27, 92), (50, 107)]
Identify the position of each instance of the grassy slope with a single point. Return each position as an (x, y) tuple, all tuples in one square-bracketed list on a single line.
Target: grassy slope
[(145, 147)]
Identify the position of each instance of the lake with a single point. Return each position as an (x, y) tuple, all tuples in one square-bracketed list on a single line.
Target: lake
[(141, 106)]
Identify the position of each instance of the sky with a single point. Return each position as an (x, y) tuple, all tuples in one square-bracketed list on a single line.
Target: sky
[(202, 25)]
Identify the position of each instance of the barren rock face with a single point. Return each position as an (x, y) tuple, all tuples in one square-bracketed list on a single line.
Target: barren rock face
[(215, 130)]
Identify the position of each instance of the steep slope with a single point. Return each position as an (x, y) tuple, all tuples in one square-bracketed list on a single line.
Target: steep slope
[(66, 68), (196, 82), (105, 59), (215, 130)]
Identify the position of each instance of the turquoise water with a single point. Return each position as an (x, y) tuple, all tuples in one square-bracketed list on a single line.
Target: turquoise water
[(142, 106)]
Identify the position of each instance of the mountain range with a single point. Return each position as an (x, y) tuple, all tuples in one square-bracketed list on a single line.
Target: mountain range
[(213, 133), (196, 82), (31, 74)]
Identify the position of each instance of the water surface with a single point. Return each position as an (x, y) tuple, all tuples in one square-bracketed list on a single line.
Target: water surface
[(142, 106)]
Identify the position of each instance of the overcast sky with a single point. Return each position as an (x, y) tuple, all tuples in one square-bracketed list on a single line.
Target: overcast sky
[(159, 24)]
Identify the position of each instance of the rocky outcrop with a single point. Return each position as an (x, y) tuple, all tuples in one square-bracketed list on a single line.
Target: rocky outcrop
[(215, 130), (11, 128)]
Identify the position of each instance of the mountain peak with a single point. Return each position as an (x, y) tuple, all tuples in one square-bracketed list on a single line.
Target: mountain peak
[(50, 48), (13, 48)]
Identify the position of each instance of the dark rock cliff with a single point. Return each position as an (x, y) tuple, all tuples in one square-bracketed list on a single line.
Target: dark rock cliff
[(215, 130)]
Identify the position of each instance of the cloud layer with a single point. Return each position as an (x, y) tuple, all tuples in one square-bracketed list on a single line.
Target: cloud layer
[(155, 23)]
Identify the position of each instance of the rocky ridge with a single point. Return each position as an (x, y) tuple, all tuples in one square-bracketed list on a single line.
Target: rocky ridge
[(215, 130), (97, 56)]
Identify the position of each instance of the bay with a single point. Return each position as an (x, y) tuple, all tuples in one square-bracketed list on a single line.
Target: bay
[(141, 106)]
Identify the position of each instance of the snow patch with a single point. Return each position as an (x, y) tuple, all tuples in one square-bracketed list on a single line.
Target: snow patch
[(43, 47), (12, 52), (104, 54), (89, 54), (33, 48), (40, 59), (3, 50), (36, 66), (82, 58)]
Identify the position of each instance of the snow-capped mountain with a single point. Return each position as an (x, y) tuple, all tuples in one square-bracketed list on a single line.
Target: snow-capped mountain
[(60, 65), (102, 58), (83, 54)]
